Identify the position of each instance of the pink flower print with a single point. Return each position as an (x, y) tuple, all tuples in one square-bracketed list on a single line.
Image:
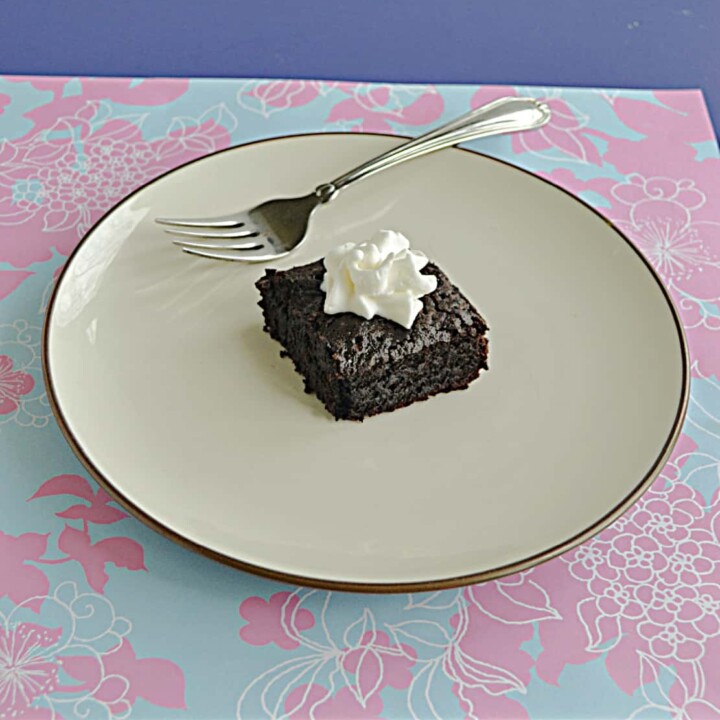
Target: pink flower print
[(77, 544), (565, 138), (701, 327), (669, 132), (695, 605), (59, 179), (606, 596), (144, 92), (615, 598), (477, 638), (514, 600), (668, 523), (563, 643), (671, 475), (691, 562), (13, 385), (20, 581), (72, 187), (4, 102), (318, 703), (478, 704), (337, 675), (589, 561), (618, 527), (700, 710), (121, 678), (488, 93), (99, 510), (268, 97), (671, 641), (689, 695), (45, 84), (11, 280), (65, 485), (707, 599), (94, 557), (665, 599), (708, 666), (485, 661), (323, 87), (638, 190), (86, 642), (158, 91), (26, 673), (376, 662), (659, 217), (276, 620), (379, 108), (638, 558)]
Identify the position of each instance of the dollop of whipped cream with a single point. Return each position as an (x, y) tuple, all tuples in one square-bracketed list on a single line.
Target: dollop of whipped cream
[(378, 277)]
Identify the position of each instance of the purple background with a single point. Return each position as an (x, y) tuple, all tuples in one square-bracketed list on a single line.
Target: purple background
[(608, 43)]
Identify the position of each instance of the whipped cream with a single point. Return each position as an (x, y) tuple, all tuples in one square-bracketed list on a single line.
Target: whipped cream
[(378, 277)]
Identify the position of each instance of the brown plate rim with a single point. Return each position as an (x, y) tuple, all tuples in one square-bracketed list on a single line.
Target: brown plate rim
[(352, 586)]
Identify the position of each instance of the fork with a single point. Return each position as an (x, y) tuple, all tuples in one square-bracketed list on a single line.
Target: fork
[(276, 227)]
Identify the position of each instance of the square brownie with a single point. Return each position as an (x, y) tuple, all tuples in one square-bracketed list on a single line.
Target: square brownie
[(360, 367)]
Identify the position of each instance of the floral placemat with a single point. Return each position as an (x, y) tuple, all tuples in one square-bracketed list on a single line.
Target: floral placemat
[(100, 617)]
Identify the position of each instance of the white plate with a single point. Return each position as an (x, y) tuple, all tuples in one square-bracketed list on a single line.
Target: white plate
[(180, 405)]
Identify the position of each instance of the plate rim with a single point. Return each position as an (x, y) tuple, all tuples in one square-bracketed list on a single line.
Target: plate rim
[(349, 585)]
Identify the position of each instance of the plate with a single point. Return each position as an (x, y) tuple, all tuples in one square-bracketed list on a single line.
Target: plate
[(177, 402)]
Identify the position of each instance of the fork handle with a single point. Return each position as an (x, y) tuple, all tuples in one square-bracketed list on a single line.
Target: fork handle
[(506, 115)]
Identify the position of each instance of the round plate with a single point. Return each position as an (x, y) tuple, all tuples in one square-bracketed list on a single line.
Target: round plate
[(179, 404)]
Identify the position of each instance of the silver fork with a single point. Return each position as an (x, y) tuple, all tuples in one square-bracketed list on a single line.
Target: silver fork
[(276, 227)]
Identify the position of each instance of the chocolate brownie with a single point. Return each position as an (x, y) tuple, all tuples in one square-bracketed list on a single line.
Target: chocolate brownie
[(359, 367)]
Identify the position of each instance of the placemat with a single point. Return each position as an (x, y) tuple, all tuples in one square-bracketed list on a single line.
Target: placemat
[(100, 617)]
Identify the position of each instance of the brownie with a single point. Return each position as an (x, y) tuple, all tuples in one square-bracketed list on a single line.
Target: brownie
[(360, 367)]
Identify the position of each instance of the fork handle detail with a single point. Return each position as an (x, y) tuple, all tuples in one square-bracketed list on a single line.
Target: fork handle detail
[(506, 115)]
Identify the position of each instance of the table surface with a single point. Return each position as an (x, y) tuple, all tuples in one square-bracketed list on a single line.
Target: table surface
[(612, 43)]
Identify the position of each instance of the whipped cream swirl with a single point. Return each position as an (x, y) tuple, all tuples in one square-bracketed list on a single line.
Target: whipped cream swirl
[(378, 277)]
